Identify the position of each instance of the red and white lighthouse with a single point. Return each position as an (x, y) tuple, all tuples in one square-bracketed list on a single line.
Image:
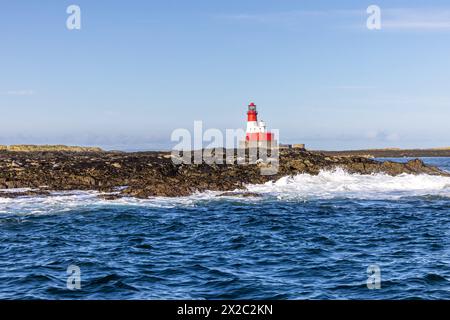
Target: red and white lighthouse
[(256, 131)]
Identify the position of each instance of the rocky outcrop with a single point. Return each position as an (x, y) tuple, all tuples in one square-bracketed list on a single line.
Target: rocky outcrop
[(148, 174)]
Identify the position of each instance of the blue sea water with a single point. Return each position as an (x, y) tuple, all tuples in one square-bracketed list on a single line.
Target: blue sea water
[(307, 237)]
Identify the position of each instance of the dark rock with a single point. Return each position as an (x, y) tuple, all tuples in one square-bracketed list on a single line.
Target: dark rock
[(27, 193), (110, 196), (148, 174)]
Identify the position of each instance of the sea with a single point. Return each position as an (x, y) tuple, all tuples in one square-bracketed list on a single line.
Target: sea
[(331, 236)]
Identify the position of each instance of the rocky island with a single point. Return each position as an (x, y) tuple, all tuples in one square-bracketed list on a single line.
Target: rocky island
[(146, 174)]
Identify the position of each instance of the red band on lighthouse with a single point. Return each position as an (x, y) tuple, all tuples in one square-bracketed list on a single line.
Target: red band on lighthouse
[(267, 136), (252, 116)]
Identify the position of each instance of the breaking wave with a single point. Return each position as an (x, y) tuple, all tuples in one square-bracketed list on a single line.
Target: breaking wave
[(327, 185), (66, 201), (341, 184)]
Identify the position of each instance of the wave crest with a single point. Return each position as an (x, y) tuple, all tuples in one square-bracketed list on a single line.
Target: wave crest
[(326, 185), (339, 183)]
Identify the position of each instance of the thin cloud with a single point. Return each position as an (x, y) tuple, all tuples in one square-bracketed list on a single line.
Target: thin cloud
[(416, 19), (406, 19)]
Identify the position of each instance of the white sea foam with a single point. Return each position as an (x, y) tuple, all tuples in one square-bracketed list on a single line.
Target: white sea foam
[(60, 202), (14, 190), (340, 184), (326, 185)]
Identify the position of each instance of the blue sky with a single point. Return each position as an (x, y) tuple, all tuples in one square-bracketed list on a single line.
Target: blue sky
[(137, 70)]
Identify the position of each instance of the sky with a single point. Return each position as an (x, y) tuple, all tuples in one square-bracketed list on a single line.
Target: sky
[(137, 70)]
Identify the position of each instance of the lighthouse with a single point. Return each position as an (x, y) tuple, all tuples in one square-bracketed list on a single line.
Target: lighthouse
[(256, 134)]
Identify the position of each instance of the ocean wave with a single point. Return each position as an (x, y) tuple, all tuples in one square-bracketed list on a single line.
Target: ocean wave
[(65, 201), (341, 184), (325, 185)]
